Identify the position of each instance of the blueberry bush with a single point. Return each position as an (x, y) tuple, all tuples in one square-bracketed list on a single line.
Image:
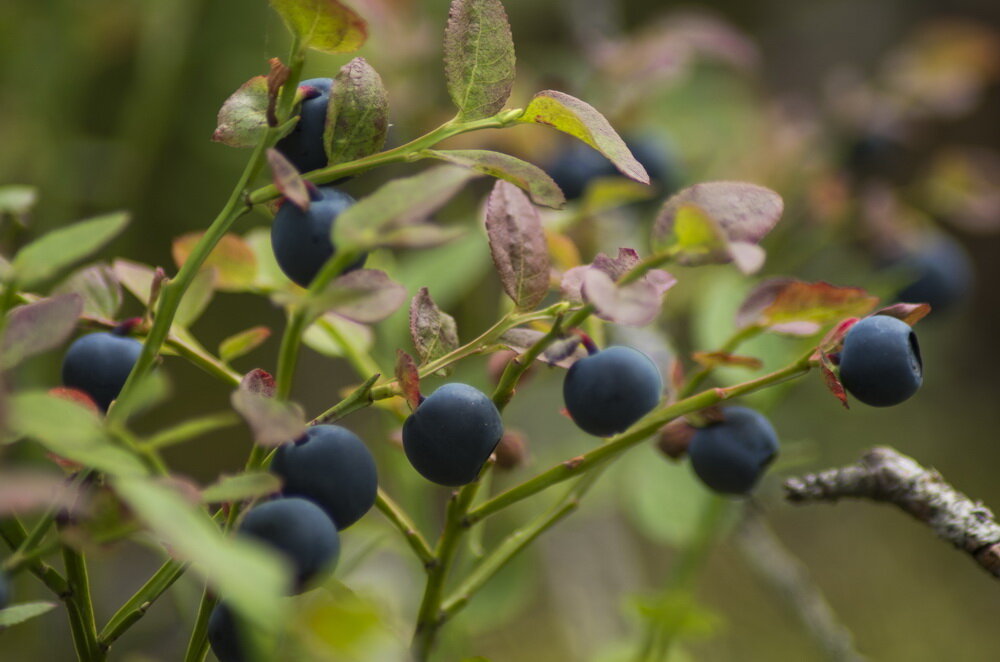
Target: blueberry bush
[(263, 542)]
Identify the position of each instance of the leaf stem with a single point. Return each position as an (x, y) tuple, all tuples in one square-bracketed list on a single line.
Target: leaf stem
[(399, 519), (81, 608), (734, 341), (136, 606)]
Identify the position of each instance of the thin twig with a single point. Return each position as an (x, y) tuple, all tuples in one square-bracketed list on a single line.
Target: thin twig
[(884, 474)]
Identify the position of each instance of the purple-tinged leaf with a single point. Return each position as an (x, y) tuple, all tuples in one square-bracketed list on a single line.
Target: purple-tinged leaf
[(365, 295), (718, 222), (259, 382), (517, 243), (24, 492), (433, 331), (272, 422), (539, 185), (357, 119), (911, 313), (399, 203), (243, 343), (635, 304), (581, 120), (287, 179), (615, 268), (562, 353), (100, 290), (328, 26), (37, 327), (797, 308), (243, 117), (277, 76), (409, 379), (478, 57)]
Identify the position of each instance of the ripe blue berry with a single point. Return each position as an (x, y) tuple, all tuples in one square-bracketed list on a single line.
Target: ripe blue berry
[(98, 364), (304, 145), (300, 530), (301, 240), (730, 456), (575, 167), (941, 272), (608, 391), (880, 364), (4, 590), (224, 635), (451, 434), (330, 466)]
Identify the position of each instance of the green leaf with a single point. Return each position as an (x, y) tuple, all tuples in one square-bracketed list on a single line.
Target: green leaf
[(606, 193), (25, 611), (47, 255), (243, 343), (69, 430), (517, 243), (17, 200), (232, 258), (268, 276), (197, 298), (331, 332), (323, 25), (242, 119), (99, 288), (243, 486), (400, 202), (478, 57), (434, 331), (137, 278), (357, 119), (250, 577), (38, 327), (539, 185), (581, 120)]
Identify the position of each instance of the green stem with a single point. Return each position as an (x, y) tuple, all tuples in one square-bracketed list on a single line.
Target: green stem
[(360, 360), (136, 606), (359, 398), (517, 367), (641, 430), (662, 632), (399, 519), (79, 604), (407, 152), (190, 429), (14, 534), (197, 355), (198, 644), (430, 616)]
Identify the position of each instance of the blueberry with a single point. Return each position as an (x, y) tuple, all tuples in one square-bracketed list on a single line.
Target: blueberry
[(4, 590), (576, 166), (331, 467), (301, 240), (608, 391), (451, 434), (98, 364), (730, 456), (224, 635), (880, 364), (300, 530), (941, 271), (304, 145)]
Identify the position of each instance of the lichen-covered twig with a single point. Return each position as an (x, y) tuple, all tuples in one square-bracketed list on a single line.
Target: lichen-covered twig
[(776, 566), (884, 474)]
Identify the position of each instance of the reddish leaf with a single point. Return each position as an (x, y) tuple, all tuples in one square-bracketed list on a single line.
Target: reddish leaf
[(259, 382), (409, 378), (832, 380), (276, 78), (433, 331), (75, 395), (799, 308), (911, 313), (572, 280), (635, 304), (517, 243), (834, 338), (287, 179)]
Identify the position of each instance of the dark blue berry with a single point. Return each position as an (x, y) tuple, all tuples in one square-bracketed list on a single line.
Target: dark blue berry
[(331, 467), (730, 456), (607, 392), (576, 166), (880, 364), (301, 240), (98, 364), (304, 145), (941, 273), (451, 434), (300, 530), (224, 635)]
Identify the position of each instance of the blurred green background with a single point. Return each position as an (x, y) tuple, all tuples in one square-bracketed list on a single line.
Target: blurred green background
[(109, 104)]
